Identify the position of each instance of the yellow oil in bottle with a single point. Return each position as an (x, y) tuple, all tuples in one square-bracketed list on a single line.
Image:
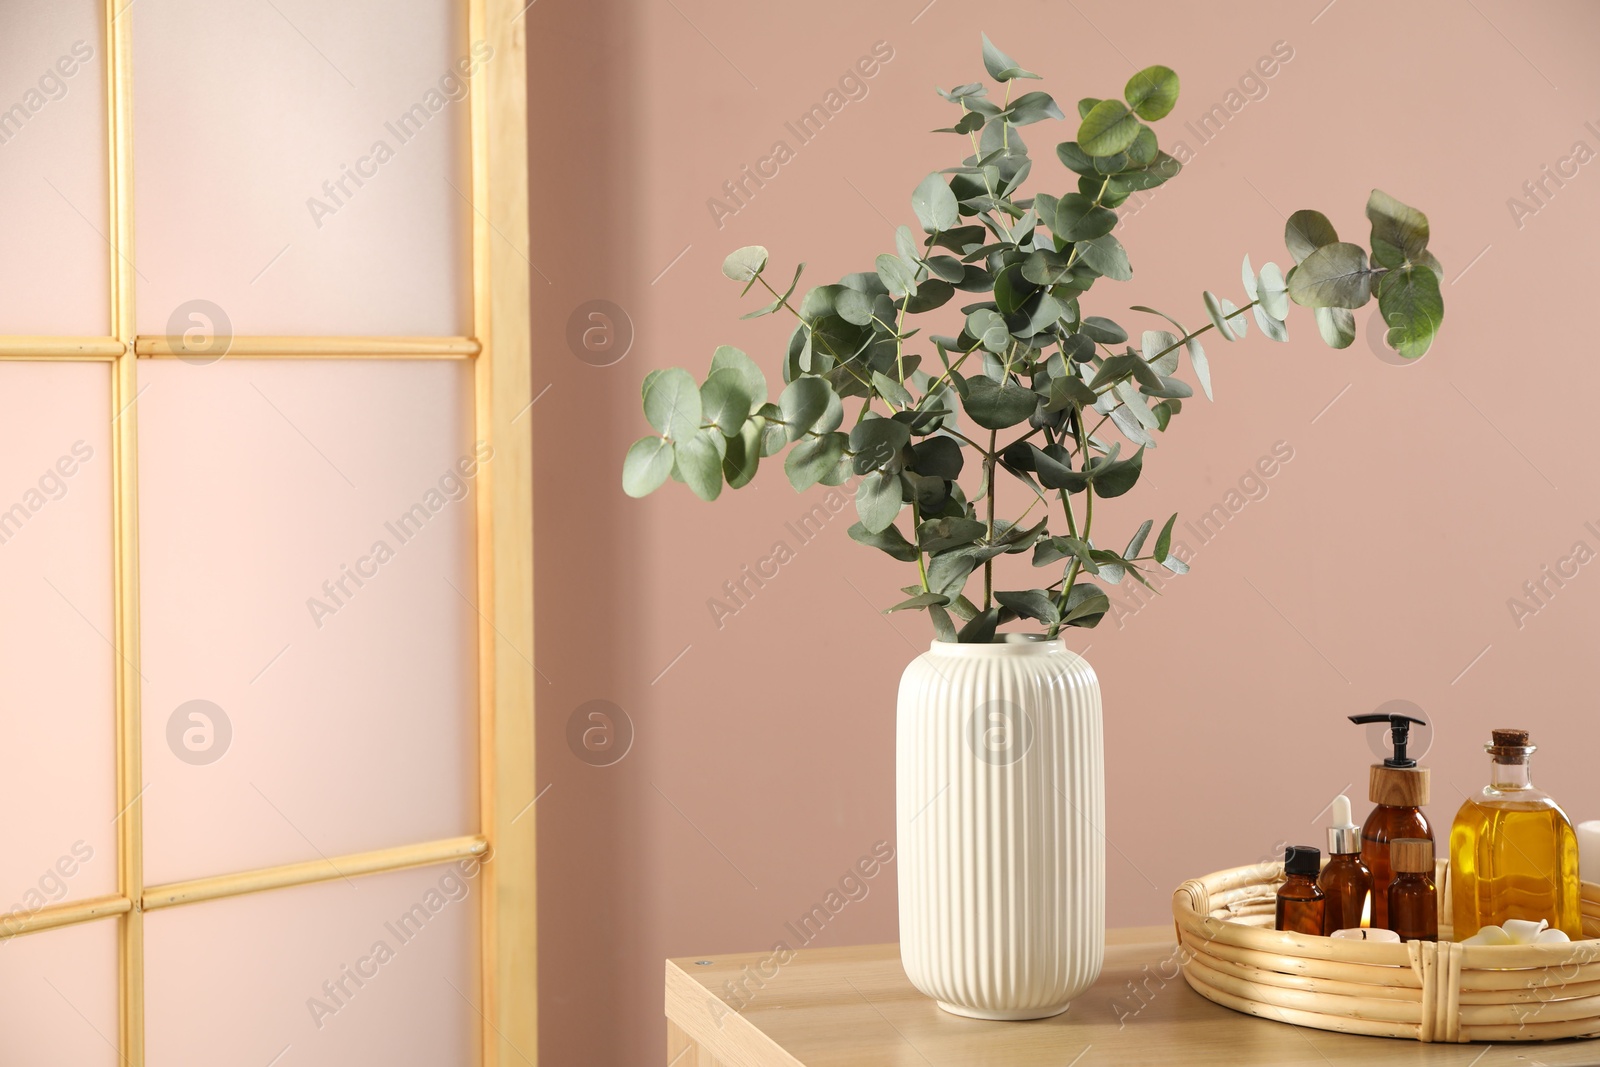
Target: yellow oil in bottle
[(1513, 852)]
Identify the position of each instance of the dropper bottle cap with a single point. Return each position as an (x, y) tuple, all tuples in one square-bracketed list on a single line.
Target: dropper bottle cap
[(1344, 836)]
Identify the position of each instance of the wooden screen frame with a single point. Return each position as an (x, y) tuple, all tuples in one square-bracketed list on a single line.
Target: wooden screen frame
[(500, 349)]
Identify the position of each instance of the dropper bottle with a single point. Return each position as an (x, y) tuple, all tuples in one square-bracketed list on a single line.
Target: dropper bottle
[(1346, 879), (1399, 788)]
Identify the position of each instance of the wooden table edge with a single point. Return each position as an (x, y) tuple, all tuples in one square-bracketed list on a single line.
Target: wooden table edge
[(697, 1016)]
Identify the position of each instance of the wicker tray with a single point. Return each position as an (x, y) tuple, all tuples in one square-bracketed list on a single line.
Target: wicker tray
[(1428, 992)]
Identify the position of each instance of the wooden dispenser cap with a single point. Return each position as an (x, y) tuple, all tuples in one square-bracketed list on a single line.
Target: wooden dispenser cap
[(1411, 855), (1400, 787)]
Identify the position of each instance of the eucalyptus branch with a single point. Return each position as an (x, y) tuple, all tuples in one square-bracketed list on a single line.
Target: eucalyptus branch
[(716, 433)]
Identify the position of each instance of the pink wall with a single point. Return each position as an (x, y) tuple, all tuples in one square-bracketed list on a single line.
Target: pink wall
[(1376, 564)]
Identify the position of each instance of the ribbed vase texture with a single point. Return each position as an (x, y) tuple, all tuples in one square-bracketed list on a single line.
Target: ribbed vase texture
[(1000, 803)]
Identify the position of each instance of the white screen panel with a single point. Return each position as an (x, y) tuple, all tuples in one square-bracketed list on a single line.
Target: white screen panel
[(59, 988), (303, 165), (57, 689), (54, 273), (378, 970), (307, 572)]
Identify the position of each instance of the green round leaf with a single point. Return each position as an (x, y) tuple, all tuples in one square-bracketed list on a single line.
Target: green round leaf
[(646, 466), (804, 403), (699, 460), (1152, 93), (897, 277), (1399, 232), (1307, 231), (1108, 128), (725, 402), (1334, 275), (935, 204), (1413, 308), (813, 459), (1337, 326), (877, 443), (994, 406), (743, 264), (878, 500), (1079, 218), (672, 404), (1273, 292), (743, 456), (726, 357), (1106, 256)]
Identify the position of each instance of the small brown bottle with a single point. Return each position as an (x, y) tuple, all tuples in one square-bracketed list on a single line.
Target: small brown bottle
[(1302, 906), (1413, 910), (1346, 879), (1399, 788)]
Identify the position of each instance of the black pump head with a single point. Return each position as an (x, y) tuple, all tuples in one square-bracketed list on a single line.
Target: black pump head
[(1399, 735)]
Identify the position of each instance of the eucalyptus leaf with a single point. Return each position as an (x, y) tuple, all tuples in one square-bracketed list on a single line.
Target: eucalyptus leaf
[(1109, 127), (1001, 67), (897, 277), (1399, 232), (725, 400), (878, 500), (877, 443), (1136, 542), (1078, 218), (1335, 275), (921, 600), (814, 459), (743, 456), (672, 404), (1106, 256), (726, 357), (996, 406), (1152, 93), (646, 466), (743, 264), (699, 459), (1412, 308), (1337, 326), (1030, 604), (803, 403), (889, 540), (935, 205), (1086, 604), (1307, 231), (1273, 292)]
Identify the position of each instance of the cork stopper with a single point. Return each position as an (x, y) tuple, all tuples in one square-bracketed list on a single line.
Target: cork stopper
[(1510, 746), (1411, 855), (1398, 787)]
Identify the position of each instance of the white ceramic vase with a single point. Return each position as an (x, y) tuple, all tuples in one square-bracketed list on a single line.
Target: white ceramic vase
[(1000, 804)]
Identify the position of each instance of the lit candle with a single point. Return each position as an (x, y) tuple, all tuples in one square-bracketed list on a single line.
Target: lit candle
[(1365, 933)]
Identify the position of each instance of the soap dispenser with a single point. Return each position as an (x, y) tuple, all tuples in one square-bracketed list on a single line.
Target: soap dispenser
[(1399, 788), (1513, 852)]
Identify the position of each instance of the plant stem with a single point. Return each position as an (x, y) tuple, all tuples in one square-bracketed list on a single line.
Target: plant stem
[(988, 564)]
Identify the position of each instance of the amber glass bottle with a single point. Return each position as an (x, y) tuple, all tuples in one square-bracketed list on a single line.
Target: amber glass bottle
[(1346, 879), (1399, 788), (1513, 853), (1413, 910), (1302, 906)]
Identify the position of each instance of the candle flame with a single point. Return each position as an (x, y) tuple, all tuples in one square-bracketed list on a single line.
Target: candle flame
[(1366, 912)]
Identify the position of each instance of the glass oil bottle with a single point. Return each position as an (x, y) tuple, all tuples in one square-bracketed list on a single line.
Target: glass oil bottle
[(1302, 906), (1399, 788), (1413, 910), (1345, 879), (1513, 852)]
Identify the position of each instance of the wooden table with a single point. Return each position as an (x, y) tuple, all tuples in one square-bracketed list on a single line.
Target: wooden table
[(853, 1007)]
